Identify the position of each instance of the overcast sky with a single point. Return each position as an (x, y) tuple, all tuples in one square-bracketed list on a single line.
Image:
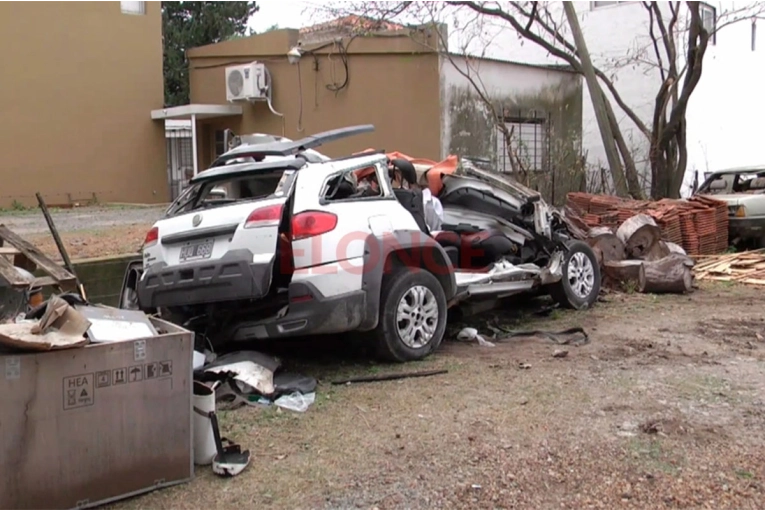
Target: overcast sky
[(285, 13)]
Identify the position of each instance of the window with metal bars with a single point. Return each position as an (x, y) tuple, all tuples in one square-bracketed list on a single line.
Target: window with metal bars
[(529, 143)]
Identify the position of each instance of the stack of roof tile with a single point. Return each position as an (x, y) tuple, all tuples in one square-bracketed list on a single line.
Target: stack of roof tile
[(699, 225), (721, 220)]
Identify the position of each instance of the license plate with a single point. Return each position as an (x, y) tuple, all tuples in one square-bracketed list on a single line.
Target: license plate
[(200, 250)]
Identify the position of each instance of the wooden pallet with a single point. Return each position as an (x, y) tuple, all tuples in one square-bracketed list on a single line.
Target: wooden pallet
[(746, 267), (16, 251)]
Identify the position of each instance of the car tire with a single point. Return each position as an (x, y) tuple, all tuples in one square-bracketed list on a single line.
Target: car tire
[(419, 295), (579, 286)]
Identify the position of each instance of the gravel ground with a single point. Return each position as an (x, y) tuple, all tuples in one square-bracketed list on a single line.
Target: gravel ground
[(664, 408), (87, 232)]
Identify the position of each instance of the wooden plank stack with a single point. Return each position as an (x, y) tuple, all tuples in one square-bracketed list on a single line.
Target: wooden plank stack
[(746, 267)]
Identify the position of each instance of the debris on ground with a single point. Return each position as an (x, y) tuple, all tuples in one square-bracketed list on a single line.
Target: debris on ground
[(470, 335), (746, 267), (390, 377), (252, 378)]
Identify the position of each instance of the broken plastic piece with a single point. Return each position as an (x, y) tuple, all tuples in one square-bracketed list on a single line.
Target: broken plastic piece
[(296, 401), (470, 334)]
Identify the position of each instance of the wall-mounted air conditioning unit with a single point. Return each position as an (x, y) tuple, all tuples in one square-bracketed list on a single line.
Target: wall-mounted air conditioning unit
[(248, 82)]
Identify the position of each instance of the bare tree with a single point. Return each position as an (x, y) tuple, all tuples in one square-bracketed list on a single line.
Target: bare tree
[(678, 42)]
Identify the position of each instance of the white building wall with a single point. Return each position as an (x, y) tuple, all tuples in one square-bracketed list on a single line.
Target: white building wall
[(497, 79), (721, 112)]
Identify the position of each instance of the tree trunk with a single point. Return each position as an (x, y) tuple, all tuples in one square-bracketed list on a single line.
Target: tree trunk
[(672, 274), (657, 252), (630, 170), (611, 248), (675, 248), (639, 234), (596, 94), (622, 272)]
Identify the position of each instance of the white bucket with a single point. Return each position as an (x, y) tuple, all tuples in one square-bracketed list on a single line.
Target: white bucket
[(204, 440)]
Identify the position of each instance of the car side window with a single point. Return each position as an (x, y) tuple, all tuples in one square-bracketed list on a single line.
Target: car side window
[(355, 185)]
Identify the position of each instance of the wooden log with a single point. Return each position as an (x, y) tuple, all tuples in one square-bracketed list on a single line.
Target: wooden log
[(622, 272), (604, 240), (657, 252), (639, 234), (672, 274), (675, 248)]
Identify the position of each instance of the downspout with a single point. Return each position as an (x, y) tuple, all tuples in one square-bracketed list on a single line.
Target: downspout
[(194, 143)]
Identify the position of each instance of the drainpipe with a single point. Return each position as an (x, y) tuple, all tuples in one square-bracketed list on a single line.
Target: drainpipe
[(194, 143)]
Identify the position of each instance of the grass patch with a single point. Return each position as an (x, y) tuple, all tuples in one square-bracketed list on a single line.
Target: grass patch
[(652, 455)]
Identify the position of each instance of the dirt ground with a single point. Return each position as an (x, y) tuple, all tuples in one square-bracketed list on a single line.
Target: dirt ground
[(664, 408), (87, 232)]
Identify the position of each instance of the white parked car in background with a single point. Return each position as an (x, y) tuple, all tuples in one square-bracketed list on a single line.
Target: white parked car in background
[(743, 189)]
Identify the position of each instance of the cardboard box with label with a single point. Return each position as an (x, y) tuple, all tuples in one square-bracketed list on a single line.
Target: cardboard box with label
[(84, 426)]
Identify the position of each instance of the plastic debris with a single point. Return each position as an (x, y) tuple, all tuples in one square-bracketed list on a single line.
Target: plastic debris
[(471, 334)]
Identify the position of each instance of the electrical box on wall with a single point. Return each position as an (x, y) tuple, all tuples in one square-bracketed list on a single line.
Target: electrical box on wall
[(248, 82)]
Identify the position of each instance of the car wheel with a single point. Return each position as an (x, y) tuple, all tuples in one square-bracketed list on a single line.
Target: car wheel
[(412, 315), (579, 286)]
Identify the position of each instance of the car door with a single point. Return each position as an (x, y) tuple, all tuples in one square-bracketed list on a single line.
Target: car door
[(328, 235)]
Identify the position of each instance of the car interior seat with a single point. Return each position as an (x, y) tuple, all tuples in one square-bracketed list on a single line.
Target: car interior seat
[(474, 248), (757, 184)]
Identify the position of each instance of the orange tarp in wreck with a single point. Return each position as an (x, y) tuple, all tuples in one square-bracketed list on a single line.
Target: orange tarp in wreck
[(433, 175)]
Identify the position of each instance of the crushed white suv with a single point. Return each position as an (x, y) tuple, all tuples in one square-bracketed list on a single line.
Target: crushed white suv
[(275, 241)]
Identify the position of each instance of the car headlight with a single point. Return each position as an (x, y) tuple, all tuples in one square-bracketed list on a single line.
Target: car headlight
[(738, 211)]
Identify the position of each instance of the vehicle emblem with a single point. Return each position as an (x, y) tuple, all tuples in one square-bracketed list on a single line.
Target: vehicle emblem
[(196, 220)]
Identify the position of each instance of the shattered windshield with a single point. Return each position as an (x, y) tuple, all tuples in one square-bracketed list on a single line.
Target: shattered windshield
[(229, 190)]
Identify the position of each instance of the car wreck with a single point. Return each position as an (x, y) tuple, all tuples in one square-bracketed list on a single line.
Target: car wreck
[(277, 240)]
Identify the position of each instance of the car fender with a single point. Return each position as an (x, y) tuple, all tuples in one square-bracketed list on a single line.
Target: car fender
[(417, 249)]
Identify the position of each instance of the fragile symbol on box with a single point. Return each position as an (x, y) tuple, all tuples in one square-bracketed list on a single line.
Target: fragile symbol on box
[(78, 391)]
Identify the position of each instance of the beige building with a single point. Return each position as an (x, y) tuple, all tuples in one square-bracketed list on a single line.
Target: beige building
[(417, 98), (78, 81)]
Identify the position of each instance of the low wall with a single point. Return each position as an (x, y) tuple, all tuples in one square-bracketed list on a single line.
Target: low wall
[(102, 277)]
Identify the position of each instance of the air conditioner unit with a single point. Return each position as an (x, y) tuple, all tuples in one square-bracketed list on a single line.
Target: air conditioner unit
[(248, 82)]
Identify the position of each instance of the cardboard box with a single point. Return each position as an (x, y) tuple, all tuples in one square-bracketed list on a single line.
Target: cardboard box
[(84, 426)]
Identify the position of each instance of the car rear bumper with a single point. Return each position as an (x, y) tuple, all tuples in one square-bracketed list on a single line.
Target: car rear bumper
[(230, 278), (746, 228), (309, 313)]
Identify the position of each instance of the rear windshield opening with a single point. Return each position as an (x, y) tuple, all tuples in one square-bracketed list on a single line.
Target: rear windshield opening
[(225, 191)]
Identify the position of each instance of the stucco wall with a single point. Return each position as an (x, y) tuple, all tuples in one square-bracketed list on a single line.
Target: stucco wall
[(78, 81), (467, 127), (395, 91)]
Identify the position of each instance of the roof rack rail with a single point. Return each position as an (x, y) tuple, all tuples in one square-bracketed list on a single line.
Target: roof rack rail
[(291, 148)]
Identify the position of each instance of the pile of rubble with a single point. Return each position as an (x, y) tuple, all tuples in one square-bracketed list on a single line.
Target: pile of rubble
[(699, 225)]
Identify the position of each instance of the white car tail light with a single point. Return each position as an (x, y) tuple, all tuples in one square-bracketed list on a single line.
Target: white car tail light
[(152, 236), (312, 223), (268, 216)]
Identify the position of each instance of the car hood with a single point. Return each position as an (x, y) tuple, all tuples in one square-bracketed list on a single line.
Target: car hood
[(739, 198)]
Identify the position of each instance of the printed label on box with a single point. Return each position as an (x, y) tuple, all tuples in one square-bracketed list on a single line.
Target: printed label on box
[(139, 350), (78, 391), (12, 367)]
